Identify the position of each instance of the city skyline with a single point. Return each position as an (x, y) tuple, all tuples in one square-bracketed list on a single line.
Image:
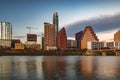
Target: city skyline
[(35, 12)]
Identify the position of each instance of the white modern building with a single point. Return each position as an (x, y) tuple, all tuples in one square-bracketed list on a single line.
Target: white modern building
[(5, 30), (113, 45), (95, 45), (100, 45)]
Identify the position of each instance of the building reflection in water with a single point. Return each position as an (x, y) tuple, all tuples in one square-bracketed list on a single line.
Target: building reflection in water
[(5, 68), (50, 67), (19, 68), (39, 68), (59, 68), (86, 65)]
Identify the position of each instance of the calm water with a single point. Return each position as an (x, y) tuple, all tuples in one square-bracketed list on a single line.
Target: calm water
[(59, 68)]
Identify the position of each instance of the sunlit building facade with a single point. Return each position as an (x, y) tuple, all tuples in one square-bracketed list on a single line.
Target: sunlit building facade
[(49, 36), (86, 35), (117, 36), (62, 39)]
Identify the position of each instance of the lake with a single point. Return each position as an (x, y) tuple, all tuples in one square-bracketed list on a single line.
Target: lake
[(59, 68)]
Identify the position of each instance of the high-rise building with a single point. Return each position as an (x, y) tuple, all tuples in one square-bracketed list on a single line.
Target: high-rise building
[(56, 22), (87, 35), (117, 36), (6, 30), (62, 39), (49, 36)]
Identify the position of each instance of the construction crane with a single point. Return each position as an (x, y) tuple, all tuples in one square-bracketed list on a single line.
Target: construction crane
[(30, 28)]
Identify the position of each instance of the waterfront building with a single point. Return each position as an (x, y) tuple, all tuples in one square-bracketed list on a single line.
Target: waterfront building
[(19, 46), (32, 46), (62, 39), (5, 30), (91, 45), (113, 45), (5, 43), (56, 22), (14, 41), (71, 43), (86, 35), (117, 36), (49, 36), (96, 45)]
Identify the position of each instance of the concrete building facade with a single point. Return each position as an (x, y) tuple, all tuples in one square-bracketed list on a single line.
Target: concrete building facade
[(62, 39), (49, 36)]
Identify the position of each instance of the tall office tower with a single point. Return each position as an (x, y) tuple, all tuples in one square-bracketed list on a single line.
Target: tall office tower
[(62, 39), (117, 36), (5, 30), (56, 21), (49, 36)]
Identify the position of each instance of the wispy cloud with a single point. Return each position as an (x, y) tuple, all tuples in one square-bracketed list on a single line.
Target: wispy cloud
[(100, 24)]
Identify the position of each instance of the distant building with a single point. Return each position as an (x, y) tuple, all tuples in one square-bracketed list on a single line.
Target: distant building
[(14, 41), (117, 36), (32, 46), (91, 45), (49, 36), (84, 36), (19, 46), (71, 43), (96, 45), (42, 42), (113, 45), (56, 22), (5, 43), (5, 30), (78, 37), (62, 39)]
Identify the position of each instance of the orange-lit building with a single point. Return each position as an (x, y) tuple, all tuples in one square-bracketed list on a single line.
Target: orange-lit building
[(117, 36), (49, 36), (87, 34), (62, 39)]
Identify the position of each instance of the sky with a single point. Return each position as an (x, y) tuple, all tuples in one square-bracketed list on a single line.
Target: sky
[(74, 15)]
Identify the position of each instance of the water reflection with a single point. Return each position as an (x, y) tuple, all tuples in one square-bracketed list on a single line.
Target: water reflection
[(87, 68), (59, 68), (5, 68)]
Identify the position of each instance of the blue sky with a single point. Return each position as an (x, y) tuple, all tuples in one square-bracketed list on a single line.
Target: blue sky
[(22, 13)]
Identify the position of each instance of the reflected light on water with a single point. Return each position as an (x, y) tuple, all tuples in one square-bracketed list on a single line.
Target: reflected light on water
[(59, 68)]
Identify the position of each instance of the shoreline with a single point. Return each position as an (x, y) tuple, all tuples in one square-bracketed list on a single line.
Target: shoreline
[(50, 53)]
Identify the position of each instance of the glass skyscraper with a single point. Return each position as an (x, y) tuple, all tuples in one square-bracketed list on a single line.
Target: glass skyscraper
[(5, 30), (56, 22)]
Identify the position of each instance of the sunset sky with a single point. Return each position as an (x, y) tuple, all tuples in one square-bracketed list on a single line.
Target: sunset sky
[(74, 15)]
